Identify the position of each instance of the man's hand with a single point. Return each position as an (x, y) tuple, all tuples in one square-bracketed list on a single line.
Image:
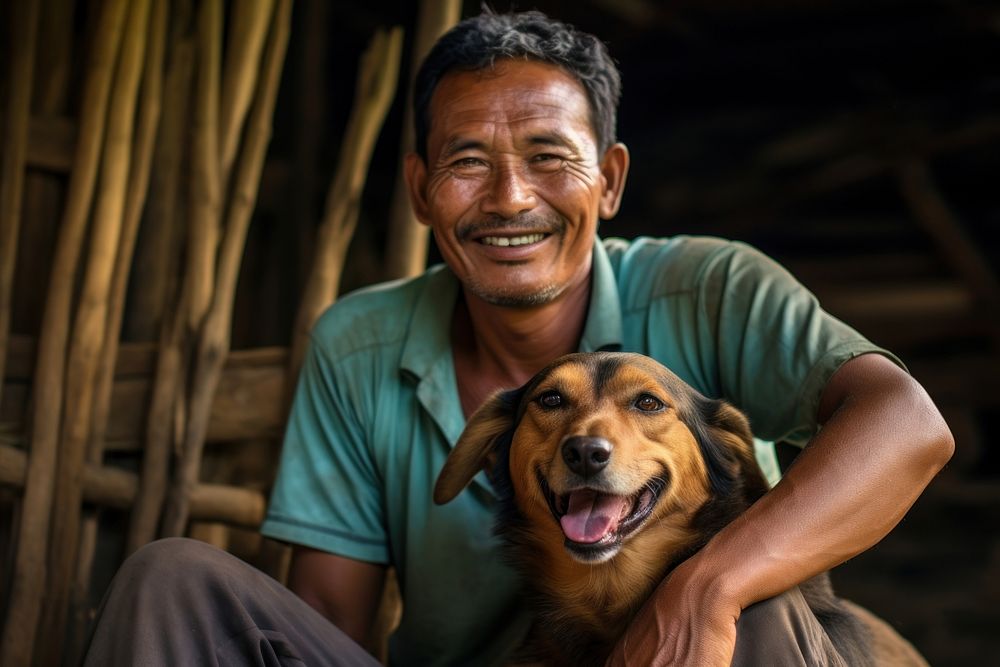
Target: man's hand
[(682, 623)]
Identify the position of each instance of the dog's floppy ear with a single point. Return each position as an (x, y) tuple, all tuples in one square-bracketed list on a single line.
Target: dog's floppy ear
[(727, 443), (476, 448)]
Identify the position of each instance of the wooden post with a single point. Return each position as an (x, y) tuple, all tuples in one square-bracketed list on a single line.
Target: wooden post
[(377, 76), (90, 328), (138, 185), (24, 26), (154, 274), (205, 183), (248, 28), (214, 342), (145, 515), (32, 540), (116, 488), (406, 244)]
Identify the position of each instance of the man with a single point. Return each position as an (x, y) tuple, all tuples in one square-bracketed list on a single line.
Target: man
[(517, 162)]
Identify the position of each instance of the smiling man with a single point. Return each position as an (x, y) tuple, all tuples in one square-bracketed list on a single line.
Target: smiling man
[(517, 162)]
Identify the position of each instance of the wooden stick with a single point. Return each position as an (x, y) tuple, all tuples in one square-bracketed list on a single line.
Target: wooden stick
[(138, 185), (378, 72), (24, 25), (90, 326), (214, 343), (145, 515), (29, 568), (115, 488), (206, 197), (147, 122), (250, 19), (154, 274), (406, 244)]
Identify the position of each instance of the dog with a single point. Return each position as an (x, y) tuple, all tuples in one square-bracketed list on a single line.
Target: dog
[(610, 471)]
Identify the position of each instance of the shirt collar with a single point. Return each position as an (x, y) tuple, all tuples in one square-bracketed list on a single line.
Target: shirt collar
[(603, 330), (427, 354)]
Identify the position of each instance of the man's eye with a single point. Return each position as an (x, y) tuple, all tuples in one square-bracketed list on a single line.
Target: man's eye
[(648, 403), (468, 163), (546, 159), (550, 399)]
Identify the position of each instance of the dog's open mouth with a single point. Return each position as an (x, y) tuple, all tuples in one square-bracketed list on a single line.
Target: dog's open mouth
[(595, 523)]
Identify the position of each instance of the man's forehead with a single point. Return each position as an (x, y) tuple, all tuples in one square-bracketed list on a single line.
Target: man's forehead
[(519, 94)]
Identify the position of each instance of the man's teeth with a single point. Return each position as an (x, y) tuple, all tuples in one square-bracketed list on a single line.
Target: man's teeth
[(512, 240)]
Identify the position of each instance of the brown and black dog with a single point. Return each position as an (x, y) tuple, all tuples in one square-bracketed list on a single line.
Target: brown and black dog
[(611, 471)]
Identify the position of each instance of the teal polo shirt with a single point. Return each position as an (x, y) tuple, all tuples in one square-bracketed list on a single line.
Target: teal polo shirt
[(377, 411)]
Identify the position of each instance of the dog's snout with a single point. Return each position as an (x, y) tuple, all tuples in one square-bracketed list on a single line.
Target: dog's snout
[(585, 455)]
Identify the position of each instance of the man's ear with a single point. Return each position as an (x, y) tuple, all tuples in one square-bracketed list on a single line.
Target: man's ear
[(415, 170), (614, 170)]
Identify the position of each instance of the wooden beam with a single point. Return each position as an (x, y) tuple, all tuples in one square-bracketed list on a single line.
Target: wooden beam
[(914, 301), (247, 406), (111, 487)]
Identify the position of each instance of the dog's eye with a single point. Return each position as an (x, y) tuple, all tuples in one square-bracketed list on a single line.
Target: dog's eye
[(550, 399), (648, 403)]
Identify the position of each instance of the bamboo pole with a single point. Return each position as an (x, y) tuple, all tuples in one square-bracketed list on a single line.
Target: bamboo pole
[(24, 26), (32, 540), (206, 196), (406, 245), (144, 517), (214, 342), (138, 186), (378, 72), (90, 327), (250, 19), (154, 273), (115, 488)]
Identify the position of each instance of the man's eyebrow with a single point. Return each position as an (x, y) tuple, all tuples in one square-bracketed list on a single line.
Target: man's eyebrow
[(553, 138), (459, 144), (547, 138)]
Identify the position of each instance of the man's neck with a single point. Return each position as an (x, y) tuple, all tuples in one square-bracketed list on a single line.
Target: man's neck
[(497, 347)]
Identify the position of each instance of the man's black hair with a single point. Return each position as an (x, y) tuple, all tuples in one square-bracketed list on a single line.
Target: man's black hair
[(477, 43)]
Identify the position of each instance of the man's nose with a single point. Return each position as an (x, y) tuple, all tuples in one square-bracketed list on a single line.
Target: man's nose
[(510, 193)]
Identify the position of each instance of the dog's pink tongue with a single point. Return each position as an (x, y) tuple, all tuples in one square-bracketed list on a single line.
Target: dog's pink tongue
[(591, 515)]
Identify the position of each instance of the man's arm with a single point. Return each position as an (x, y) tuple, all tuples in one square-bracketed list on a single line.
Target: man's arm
[(881, 443), (345, 591)]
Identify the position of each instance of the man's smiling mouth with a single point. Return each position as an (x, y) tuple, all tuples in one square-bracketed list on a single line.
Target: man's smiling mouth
[(505, 241)]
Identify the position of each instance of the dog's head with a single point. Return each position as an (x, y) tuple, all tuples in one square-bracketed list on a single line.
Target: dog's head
[(597, 446)]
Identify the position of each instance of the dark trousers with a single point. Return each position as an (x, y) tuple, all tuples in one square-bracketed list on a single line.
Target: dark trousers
[(183, 602)]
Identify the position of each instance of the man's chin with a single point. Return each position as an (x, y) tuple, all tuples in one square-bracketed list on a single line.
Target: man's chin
[(514, 298)]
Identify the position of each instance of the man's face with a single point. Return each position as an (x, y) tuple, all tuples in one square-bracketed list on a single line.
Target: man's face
[(514, 185)]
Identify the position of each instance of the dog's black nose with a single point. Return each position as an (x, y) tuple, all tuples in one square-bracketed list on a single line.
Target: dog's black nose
[(586, 456)]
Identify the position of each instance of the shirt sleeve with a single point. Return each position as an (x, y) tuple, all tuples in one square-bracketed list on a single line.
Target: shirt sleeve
[(326, 492), (775, 347)]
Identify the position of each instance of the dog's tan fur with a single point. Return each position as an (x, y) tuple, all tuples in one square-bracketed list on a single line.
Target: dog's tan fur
[(701, 447)]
